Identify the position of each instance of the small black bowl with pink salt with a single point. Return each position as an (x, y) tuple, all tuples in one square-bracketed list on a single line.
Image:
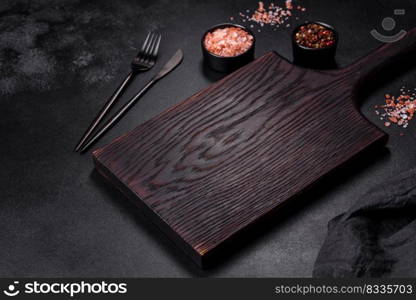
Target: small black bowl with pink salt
[(227, 47)]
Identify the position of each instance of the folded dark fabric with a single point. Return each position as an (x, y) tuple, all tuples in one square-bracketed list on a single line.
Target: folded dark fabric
[(376, 237)]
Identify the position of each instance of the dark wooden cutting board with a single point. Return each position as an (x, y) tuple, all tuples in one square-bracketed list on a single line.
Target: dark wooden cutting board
[(221, 160)]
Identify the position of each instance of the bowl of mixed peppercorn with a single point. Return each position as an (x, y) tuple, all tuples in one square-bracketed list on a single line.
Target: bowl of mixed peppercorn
[(314, 44)]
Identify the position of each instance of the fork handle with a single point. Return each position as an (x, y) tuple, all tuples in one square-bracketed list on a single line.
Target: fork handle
[(117, 116), (110, 103)]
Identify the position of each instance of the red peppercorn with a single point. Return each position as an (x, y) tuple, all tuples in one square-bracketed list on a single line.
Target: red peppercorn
[(315, 35)]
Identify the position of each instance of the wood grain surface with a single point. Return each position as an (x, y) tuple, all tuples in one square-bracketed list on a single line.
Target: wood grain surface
[(219, 161)]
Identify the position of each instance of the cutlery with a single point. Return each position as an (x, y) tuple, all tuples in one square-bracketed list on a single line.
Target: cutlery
[(143, 62), (169, 66)]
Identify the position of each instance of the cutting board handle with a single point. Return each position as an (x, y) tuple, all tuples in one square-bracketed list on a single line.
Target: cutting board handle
[(385, 56)]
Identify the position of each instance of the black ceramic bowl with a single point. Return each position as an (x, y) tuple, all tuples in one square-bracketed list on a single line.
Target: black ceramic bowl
[(314, 57), (227, 63)]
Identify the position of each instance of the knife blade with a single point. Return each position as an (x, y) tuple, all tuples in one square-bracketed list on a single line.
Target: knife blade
[(172, 63)]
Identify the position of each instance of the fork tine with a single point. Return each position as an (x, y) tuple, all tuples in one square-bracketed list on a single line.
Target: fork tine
[(156, 49), (145, 43), (149, 46), (150, 57)]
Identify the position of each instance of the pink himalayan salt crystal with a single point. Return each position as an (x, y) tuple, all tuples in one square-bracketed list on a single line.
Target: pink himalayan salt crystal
[(228, 41)]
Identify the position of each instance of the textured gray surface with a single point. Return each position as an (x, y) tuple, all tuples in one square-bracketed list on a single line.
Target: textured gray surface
[(60, 60), (42, 41)]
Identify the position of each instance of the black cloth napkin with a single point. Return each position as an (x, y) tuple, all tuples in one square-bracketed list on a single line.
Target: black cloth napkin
[(376, 237)]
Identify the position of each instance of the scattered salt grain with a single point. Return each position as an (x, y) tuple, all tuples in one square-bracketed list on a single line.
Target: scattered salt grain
[(272, 15), (398, 110)]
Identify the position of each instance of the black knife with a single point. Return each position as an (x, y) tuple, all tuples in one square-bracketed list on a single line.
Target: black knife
[(169, 66)]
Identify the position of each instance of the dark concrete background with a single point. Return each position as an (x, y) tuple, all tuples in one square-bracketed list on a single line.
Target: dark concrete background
[(60, 60)]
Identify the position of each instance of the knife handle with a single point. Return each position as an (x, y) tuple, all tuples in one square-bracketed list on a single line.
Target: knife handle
[(117, 116), (103, 112)]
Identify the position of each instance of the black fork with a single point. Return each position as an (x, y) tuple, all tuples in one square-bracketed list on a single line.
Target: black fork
[(143, 62)]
